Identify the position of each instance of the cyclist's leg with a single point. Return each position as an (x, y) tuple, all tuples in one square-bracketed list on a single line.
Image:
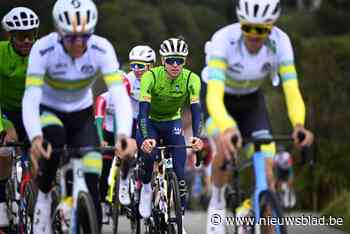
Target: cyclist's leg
[(124, 196), (82, 132), (254, 121), (54, 133), (172, 135), (16, 118), (147, 170), (5, 172), (106, 166)]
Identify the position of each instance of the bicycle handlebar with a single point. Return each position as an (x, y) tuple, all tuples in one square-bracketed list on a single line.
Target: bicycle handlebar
[(14, 144), (167, 147)]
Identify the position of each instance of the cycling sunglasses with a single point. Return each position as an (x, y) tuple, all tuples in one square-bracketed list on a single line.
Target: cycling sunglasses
[(31, 35), (71, 38), (177, 60), (256, 29), (138, 65)]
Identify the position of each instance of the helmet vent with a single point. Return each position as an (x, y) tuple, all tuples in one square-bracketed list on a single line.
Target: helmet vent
[(246, 8), (172, 46), (60, 18), (266, 9), (88, 16), (77, 13), (10, 24), (238, 4), (276, 10), (67, 17), (256, 9), (23, 15)]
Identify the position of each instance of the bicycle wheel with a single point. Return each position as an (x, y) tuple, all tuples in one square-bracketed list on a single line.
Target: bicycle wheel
[(12, 205), (270, 209), (174, 205), (135, 223), (27, 207), (115, 203), (86, 215)]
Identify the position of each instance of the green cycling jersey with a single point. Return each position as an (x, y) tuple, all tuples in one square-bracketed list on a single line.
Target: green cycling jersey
[(12, 77), (167, 96)]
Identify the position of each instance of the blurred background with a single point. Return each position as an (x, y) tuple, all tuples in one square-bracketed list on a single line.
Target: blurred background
[(319, 30)]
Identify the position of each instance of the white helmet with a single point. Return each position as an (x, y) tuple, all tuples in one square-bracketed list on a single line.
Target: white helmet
[(142, 53), (21, 19), (75, 16), (173, 46), (258, 11)]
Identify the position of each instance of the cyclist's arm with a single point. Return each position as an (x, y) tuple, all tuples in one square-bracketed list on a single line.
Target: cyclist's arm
[(288, 74), (127, 84), (31, 104), (122, 103), (100, 113), (145, 103), (113, 79), (215, 94), (194, 87), (33, 91), (294, 100)]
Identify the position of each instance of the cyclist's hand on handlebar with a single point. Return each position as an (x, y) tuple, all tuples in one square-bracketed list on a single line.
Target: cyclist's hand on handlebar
[(302, 137), (225, 142), (37, 150), (148, 145), (104, 144), (197, 143), (125, 146)]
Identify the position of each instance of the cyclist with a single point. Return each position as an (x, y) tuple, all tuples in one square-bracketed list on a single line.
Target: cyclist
[(7, 134), (57, 103), (141, 58), (239, 57), (21, 24), (164, 90), (283, 165)]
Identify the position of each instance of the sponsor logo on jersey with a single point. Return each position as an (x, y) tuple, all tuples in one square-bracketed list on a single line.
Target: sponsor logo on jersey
[(266, 68), (177, 131), (58, 73), (87, 69), (61, 65), (236, 68), (44, 51)]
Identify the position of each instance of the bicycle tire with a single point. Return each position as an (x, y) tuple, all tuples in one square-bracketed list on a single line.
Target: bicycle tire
[(10, 197), (268, 203), (86, 215), (135, 223), (173, 201), (30, 194), (115, 203)]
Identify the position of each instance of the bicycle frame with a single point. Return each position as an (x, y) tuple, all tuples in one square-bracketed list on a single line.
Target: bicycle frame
[(79, 183), (261, 184), (166, 166)]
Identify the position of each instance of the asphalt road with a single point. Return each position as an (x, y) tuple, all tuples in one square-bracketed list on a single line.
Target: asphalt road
[(195, 223)]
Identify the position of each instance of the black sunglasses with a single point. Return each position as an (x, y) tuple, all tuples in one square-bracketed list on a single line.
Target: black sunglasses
[(177, 60)]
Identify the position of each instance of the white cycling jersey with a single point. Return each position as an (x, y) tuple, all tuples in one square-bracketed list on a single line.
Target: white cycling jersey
[(106, 110), (134, 85), (246, 72), (63, 83)]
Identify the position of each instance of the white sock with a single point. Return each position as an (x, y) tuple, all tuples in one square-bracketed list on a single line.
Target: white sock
[(45, 197), (124, 182), (217, 200), (147, 187)]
